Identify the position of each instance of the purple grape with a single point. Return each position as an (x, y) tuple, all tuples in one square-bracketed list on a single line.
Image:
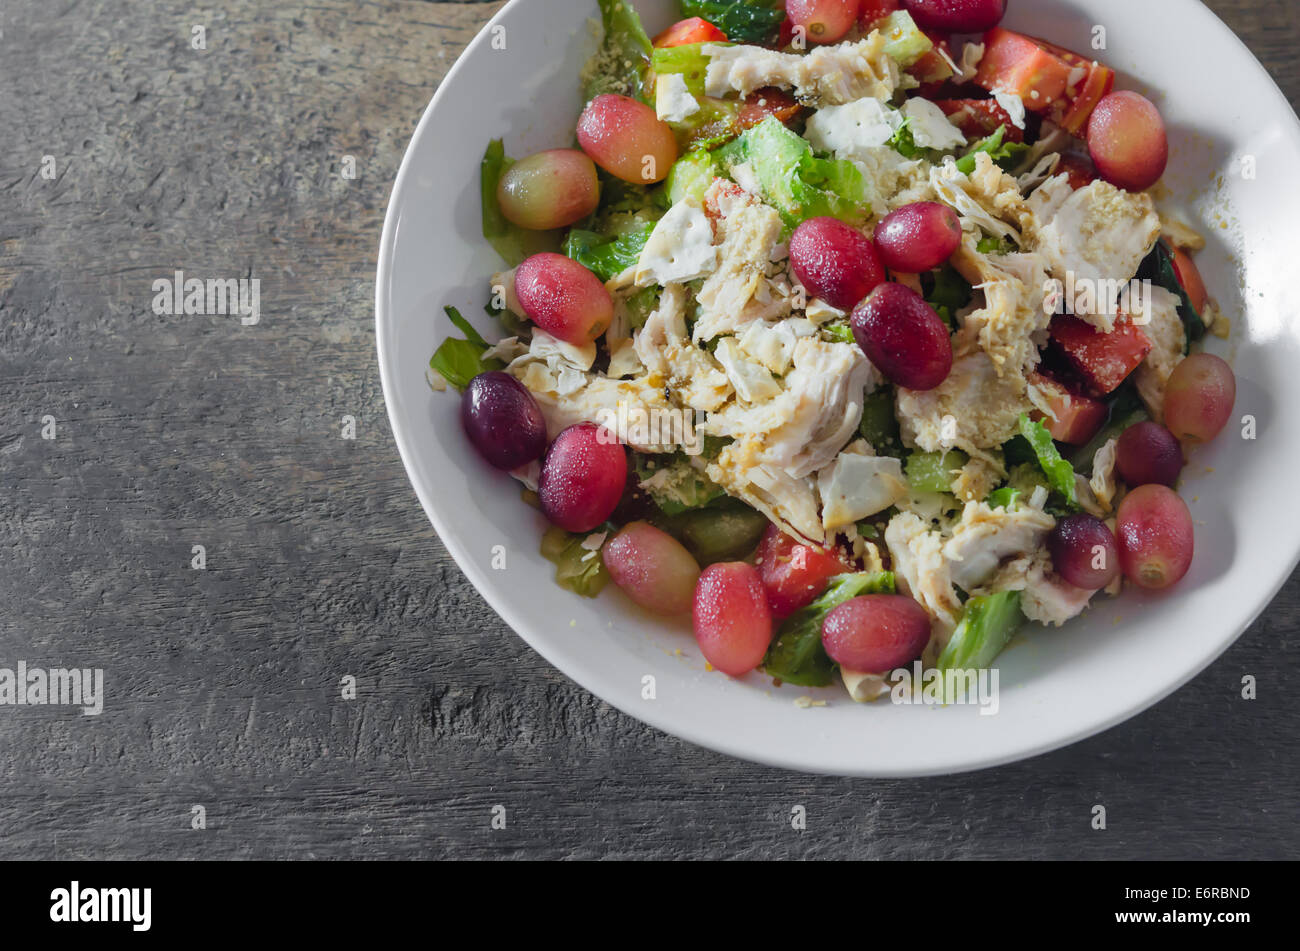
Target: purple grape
[(502, 420)]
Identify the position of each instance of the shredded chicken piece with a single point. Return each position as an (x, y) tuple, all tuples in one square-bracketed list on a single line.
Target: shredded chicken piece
[(973, 409), (921, 568), (1103, 474), (986, 536), (748, 230), (1159, 320), (828, 75)]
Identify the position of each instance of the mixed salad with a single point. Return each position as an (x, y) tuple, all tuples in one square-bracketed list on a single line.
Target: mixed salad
[(848, 328)]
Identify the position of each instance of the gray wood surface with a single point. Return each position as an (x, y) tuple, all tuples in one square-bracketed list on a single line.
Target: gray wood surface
[(173, 432)]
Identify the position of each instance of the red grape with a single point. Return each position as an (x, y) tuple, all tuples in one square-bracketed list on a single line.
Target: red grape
[(1155, 535), (902, 335), (918, 237), (502, 420), (1127, 141), (1084, 552), (653, 568), (1199, 397), (733, 623), (834, 262), (1149, 454), (957, 16), (549, 190), (563, 298), (794, 574), (824, 21), (627, 139), (583, 477), (876, 633)]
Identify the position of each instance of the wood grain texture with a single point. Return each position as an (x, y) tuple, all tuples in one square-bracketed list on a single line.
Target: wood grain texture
[(224, 684)]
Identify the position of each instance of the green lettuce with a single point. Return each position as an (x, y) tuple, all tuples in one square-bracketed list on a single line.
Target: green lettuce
[(724, 530), (987, 626), (796, 655), (947, 292), (879, 425), (744, 21), (607, 258), (1005, 154), (622, 64), (459, 361), (579, 569), (512, 242), (691, 176), (1058, 472), (932, 471), (794, 180), (904, 41), (678, 486)]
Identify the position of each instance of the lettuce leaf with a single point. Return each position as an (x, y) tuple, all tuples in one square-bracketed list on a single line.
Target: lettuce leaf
[(796, 655), (1004, 154), (947, 292), (675, 485), (579, 569), (622, 64), (932, 471), (879, 425), (512, 242), (987, 626), (744, 21), (1059, 473), (459, 361), (607, 258), (794, 180)]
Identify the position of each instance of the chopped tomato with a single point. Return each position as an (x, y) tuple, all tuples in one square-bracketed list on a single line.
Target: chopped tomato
[(795, 575), (1023, 66), (873, 11), (1080, 169), (1078, 417), (1189, 276), (786, 34), (979, 118), (694, 30), (768, 101), (1046, 76), (1104, 361)]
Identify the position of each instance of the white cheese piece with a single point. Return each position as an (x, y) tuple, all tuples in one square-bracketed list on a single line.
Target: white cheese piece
[(680, 248), (864, 687), (544, 345), (969, 65), (930, 127), (673, 101), (507, 351), (819, 312), (856, 486), (1014, 106), (743, 175), (846, 130), (624, 361), (771, 345)]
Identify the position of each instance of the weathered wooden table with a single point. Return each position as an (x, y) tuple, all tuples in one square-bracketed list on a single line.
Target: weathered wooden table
[(128, 154)]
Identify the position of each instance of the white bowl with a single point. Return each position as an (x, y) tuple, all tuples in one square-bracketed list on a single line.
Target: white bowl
[(1057, 686)]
